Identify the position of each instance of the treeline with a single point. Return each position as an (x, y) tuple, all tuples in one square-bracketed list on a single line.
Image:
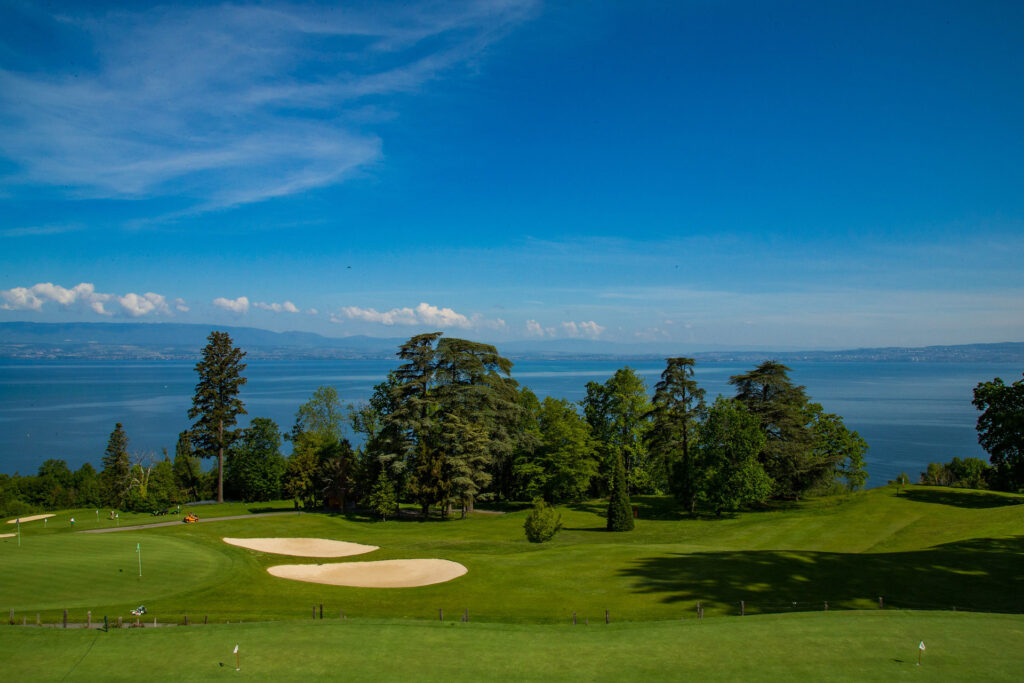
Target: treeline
[(450, 427)]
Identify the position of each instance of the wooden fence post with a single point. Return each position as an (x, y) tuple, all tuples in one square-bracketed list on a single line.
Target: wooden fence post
[(826, 605), (606, 620), (205, 617), (743, 608), (321, 610), (186, 620), (881, 605), (88, 619), (154, 622), (10, 620), (37, 619), (573, 618), (65, 618)]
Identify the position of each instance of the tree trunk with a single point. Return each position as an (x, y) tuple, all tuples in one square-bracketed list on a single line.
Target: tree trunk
[(220, 462)]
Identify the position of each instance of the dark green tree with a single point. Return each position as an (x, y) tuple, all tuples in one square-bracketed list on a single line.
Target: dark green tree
[(318, 430), (255, 465), (542, 523), (87, 486), (301, 476), (161, 489), (618, 412), (188, 475), (215, 405), (678, 407), (837, 447), (55, 485), (561, 467), (620, 511), (1001, 430), (731, 438), (115, 478), (383, 500)]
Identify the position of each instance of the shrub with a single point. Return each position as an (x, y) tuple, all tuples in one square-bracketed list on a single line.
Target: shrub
[(542, 523), (620, 512)]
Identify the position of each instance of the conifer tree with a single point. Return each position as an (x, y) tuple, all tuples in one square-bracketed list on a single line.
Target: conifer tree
[(620, 512), (678, 405), (115, 479), (216, 405)]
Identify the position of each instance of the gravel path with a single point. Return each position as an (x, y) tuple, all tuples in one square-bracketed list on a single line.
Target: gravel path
[(178, 522)]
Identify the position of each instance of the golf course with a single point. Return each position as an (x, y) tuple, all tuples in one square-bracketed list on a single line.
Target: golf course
[(947, 566)]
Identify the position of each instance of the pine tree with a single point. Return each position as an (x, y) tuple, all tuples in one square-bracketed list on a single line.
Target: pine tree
[(678, 405), (216, 403), (383, 499), (620, 512), (115, 479)]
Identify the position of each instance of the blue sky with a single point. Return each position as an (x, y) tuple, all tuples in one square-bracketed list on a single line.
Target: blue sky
[(786, 174)]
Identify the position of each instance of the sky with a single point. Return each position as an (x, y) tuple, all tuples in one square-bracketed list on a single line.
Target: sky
[(796, 175)]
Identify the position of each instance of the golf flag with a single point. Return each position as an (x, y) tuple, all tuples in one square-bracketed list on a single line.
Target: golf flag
[(138, 547), (921, 646), (235, 652)]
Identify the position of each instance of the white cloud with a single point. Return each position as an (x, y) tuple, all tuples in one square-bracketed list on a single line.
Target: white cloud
[(534, 328), (83, 294), (582, 329), (215, 102), (286, 307), (239, 305), (312, 311), (179, 304), (135, 305), (422, 314)]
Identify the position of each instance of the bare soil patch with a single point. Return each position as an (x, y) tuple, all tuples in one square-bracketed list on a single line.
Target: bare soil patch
[(382, 574), (302, 547)]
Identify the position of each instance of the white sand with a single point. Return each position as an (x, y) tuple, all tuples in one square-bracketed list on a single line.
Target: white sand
[(382, 574), (7, 535), (30, 519), (302, 547)]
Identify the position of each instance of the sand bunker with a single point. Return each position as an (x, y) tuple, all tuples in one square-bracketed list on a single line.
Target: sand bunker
[(8, 535), (302, 547), (29, 519), (382, 574)]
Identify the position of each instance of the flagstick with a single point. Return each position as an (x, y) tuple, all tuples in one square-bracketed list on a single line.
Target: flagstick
[(138, 549), (19, 532)]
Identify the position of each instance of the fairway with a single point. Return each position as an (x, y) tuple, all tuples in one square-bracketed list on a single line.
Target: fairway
[(833, 646)]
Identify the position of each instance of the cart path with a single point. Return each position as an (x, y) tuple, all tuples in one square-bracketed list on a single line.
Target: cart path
[(178, 522)]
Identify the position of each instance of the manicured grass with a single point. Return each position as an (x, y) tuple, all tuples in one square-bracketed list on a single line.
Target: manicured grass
[(810, 646), (929, 548)]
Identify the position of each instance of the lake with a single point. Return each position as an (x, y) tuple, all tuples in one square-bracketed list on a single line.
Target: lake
[(910, 413)]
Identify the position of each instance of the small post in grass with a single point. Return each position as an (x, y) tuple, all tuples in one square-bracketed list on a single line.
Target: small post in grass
[(606, 619), (65, 617), (920, 649), (465, 615), (743, 608), (881, 605), (106, 624), (826, 605), (186, 620), (573, 618), (88, 619), (321, 610)]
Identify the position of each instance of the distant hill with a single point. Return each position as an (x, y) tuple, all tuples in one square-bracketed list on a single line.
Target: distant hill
[(184, 341)]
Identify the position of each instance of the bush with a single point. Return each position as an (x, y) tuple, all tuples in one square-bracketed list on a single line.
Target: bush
[(542, 523), (620, 512)]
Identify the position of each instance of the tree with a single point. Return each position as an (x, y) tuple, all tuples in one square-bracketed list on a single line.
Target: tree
[(188, 475), (318, 430), (620, 511), (215, 405), (115, 478), (300, 476), (1001, 430), (731, 439), (542, 523), (678, 406), (87, 486), (162, 489), (561, 466), (383, 499), (837, 447), (618, 412), (784, 413), (55, 485), (255, 466)]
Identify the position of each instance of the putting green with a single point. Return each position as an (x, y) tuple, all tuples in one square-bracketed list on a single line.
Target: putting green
[(85, 570)]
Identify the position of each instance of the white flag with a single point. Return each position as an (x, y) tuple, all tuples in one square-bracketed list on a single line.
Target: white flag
[(921, 646), (236, 650)]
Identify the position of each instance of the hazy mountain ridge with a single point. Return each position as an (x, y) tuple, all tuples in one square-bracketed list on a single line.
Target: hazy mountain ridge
[(178, 341)]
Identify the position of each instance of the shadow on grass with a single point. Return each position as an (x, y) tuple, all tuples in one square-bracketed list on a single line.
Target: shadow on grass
[(272, 508), (963, 499), (981, 574)]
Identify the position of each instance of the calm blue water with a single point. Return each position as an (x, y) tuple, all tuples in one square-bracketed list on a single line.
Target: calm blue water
[(910, 413)]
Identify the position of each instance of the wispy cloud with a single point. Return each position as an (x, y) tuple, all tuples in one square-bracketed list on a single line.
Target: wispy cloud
[(34, 230), (84, 294), (286, 307), (229, 104)]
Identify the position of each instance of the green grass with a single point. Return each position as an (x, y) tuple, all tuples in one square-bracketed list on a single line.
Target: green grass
[(930, 549), (810, 646)]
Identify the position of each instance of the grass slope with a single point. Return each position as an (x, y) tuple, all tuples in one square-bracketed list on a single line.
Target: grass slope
[(811, 646), (928, 548)]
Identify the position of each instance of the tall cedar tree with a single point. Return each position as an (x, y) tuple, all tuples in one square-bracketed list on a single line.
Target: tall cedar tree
[(115, 479), (678, 406), (1001, 430), (618, 412), (620, 512), (784, 412), (216, 403)]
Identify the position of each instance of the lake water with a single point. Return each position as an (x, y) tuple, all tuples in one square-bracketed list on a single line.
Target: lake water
[(910, 413)]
